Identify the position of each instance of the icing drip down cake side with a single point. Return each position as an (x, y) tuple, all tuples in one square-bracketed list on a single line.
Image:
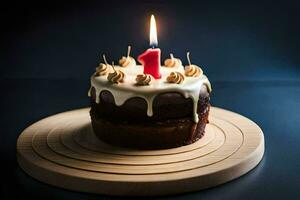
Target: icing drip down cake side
[(132, 109)]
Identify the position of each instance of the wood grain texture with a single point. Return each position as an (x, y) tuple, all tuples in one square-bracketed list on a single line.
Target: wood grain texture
[(62, 150)]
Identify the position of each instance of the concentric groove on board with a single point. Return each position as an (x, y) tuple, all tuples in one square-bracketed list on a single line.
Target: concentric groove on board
[(37, 159), (75, 151)]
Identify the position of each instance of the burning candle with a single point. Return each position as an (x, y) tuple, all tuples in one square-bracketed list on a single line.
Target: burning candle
[(150, 59)]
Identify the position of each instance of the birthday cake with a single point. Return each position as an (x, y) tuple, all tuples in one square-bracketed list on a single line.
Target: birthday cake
[(130, 108)]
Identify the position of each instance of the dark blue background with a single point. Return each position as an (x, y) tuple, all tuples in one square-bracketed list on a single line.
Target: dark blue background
[(249, 50)]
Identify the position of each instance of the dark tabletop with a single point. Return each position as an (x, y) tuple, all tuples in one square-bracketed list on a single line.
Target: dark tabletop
[(250, 52)]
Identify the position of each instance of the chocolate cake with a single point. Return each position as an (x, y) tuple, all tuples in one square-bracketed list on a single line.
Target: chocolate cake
[(132, 109)]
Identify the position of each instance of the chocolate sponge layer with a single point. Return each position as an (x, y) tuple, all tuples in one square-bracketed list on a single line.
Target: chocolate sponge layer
[(150, 135)]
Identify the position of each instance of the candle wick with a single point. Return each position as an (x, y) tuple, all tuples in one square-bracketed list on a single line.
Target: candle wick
[(188, 57), (104, 58), (128, 51)]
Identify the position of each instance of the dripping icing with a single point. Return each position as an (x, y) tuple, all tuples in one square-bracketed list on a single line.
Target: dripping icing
[(127, 90)]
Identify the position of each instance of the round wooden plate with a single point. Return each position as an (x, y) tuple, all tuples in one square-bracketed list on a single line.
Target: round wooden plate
[(62, 150)]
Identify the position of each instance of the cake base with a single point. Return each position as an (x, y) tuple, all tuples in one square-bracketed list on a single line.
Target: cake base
[(150, 136), (62, 150)]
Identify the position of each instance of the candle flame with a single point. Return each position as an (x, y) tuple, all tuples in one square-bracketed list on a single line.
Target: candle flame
[(153, 32)]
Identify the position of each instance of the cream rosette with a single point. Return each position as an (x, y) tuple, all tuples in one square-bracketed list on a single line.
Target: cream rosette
[(102, 69), (172, 62), (127, 61), (117, 76), (143, 79), (175, 77), (193, 71)]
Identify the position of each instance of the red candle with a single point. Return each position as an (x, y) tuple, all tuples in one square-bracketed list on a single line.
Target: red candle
[(150, 59)]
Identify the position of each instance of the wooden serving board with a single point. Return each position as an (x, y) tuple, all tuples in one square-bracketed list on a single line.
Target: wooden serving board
[(62, 150)]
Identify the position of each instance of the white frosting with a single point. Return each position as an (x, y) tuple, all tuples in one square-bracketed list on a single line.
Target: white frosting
[(190, 88)]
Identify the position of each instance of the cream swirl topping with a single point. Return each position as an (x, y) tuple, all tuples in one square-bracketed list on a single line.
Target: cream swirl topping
[(143, 79), (193, 71), (175, 77), (126, 61), (117, 76), (102, 69), (172, 61)]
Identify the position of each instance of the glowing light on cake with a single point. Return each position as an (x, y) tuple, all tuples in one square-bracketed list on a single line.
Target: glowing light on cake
[(153, 32), (150, 59)]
